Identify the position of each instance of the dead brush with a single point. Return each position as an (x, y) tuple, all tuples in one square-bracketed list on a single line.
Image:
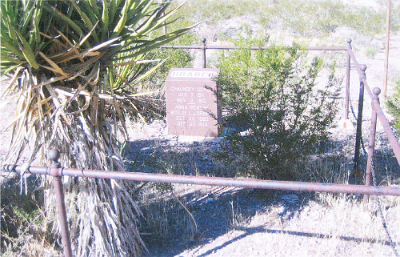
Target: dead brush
[(166, 215)]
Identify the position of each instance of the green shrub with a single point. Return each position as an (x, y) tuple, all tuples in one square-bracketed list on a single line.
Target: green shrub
[(393, 104), (275, 115)]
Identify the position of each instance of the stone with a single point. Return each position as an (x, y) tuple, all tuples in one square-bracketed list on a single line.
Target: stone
[(192, 106)]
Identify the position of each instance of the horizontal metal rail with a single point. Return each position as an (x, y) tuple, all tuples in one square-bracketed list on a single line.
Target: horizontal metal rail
[(228, 47), (213, 181)]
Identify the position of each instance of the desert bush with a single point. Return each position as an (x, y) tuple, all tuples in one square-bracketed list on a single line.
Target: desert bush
[(393, 104), (275, 114)]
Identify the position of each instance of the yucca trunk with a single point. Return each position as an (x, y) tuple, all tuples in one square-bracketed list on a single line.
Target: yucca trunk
[(76, 65)]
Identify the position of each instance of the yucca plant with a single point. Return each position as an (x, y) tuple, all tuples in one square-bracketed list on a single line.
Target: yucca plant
[(75, 68)]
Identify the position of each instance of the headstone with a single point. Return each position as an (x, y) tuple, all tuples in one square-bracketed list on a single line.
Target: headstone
[(192, 106)]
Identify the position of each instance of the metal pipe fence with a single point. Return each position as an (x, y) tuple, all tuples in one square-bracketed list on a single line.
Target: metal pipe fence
[(204, 47), (363, 84), (210, 181), (58, 172)]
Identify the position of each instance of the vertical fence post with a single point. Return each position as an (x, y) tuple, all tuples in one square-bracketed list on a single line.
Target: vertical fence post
[(385, 73), (359, 122), (204, 53), (371, 146), (55, 171), (347, 96), (164, 23)]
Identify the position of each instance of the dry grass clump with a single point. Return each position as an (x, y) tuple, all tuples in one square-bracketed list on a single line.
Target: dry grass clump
[(165, 215)]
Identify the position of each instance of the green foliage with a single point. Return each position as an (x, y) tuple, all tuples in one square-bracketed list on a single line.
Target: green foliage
[(371, 52), (393, 104), (275, 114)]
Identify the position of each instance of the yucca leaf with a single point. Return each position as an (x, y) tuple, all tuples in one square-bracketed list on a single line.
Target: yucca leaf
[(114, 5), (152, 44), (140, 11), (5, 58), (135, 15), (165, 23), (26, 50), (105, 21), (122, 19), (92, 8), (9, 68), (161, 20), (27, 19), (64, 18), (90, 52), (56, 68), (10, 47), (11, 32), (132, 62), (36, 21), (104, 44), (73, 52), (77, 67), (151, 71), (146, 27), (87, 21)]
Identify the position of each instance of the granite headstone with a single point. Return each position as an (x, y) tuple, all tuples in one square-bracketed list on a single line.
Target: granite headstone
[(192, 106)]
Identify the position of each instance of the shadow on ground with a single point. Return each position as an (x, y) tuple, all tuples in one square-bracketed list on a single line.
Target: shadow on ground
[(168, 226)]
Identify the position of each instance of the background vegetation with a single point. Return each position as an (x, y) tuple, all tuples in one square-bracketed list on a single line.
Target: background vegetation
[(275, 115), (394, 105)]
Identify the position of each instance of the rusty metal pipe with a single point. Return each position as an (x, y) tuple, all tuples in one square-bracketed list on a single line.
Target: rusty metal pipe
[(227, 47), (359, 122), (204, 53), (388, 130), (371, 146), (360, 72), (231, 182), (56, 172), (381, 115), (347, 96), (31, 169), (387, 48)]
